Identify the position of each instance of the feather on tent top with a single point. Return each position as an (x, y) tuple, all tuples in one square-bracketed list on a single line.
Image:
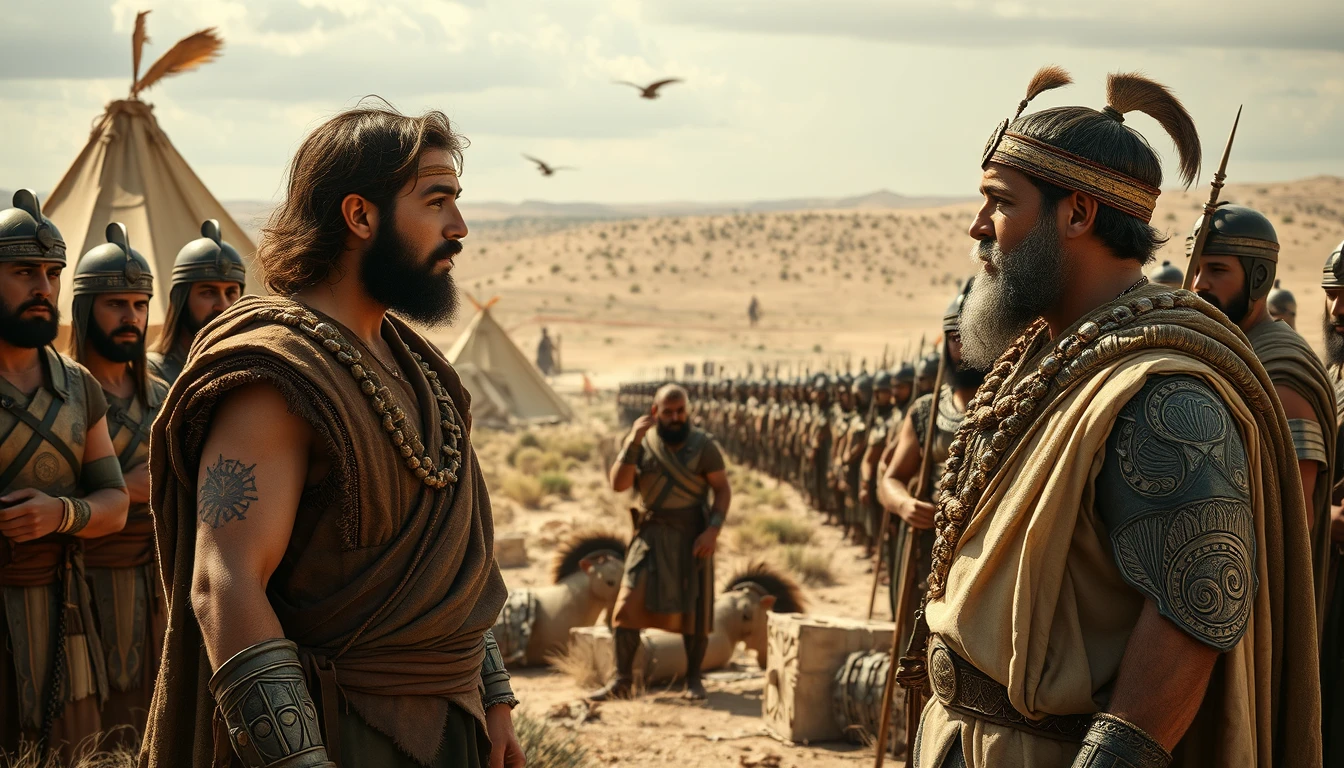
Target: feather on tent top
[(189, 53)]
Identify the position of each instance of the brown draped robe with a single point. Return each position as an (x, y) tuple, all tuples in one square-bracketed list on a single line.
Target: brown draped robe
[(388, 587)]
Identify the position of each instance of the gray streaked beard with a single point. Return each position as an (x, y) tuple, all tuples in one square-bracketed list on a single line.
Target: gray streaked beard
[(1334, 343), (1028, 281)]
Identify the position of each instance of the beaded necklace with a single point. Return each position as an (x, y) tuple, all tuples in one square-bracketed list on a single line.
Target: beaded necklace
[(403, 435), (996, 419)]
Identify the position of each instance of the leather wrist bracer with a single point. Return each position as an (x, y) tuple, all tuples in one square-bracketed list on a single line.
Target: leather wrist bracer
[(1111, 741), (265, 704), (495, 685)]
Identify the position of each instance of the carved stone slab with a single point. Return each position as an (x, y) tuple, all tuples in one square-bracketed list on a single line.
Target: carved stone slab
[(805, 652), (511, 551)]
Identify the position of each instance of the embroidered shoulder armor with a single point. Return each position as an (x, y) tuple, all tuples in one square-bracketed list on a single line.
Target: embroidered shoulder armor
[(1174, 494)]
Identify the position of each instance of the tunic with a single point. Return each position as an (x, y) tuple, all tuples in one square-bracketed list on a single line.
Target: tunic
[(665, 586)]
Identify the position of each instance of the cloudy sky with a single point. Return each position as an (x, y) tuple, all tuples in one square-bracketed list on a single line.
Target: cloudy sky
[(783, 98)]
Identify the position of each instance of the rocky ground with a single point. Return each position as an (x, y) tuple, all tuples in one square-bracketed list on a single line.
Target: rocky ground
[(660, 727)]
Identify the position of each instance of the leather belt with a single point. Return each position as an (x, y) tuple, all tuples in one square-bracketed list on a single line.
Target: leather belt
[(963, 688)]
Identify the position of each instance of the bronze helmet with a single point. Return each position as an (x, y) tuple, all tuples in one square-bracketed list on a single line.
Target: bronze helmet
[(208, 259), (27, 235), (113, 267), (1246, 234), (1169, 275), (1333, 275)]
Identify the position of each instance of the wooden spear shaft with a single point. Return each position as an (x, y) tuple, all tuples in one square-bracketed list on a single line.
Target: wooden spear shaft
[(907, 577), (1206, 223)]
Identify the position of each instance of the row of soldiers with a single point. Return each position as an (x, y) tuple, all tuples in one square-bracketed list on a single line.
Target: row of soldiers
[(855, 446), (83, 609)]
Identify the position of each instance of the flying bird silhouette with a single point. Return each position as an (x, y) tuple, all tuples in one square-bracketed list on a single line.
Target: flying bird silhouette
[(548, 170), (649, 91)]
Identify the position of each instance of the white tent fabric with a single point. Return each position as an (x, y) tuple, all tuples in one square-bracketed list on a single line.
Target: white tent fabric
[(130, 172), (500, 377)]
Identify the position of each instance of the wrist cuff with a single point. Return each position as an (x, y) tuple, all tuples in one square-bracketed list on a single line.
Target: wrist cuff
[(266, 706), (1112, 741)]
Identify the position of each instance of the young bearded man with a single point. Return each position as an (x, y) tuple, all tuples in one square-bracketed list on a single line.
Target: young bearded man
[(1121, 572), (1236, 275), (208, 277), (323, 526), (60, 485), (110, 314)]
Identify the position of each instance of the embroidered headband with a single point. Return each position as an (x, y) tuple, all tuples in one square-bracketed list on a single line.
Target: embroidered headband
[(1065, 169)]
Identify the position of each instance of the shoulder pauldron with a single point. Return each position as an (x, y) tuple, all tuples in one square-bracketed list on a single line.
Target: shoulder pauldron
[(1174, 494)]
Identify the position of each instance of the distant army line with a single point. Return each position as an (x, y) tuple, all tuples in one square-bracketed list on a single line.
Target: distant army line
[(1110, 503)]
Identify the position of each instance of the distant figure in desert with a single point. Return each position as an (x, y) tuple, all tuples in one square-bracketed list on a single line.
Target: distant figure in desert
[(669, 567), (754, 311), (546, 354)]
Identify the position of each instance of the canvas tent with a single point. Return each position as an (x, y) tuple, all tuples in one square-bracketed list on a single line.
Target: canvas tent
[(504, 385), (130, 172)]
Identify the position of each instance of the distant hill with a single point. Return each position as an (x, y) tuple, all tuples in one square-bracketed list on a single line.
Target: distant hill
[(545, 216)]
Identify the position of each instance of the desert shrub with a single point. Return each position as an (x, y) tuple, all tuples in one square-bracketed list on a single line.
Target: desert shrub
[(587, 664), (812, 566), (529, 460), (547, 747), (552, 462), (556, 483), (85, 755), (524, 489), (782, 529), (572, 446), (529, 440)]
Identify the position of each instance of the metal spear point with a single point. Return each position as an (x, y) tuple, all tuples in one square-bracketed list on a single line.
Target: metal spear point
[(1206, 222)]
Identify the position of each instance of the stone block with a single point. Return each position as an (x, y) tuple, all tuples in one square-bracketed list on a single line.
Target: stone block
[(805, 652), (511, 551)]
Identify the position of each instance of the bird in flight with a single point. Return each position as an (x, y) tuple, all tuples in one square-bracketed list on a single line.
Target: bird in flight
[(649, 91), (548, 170)]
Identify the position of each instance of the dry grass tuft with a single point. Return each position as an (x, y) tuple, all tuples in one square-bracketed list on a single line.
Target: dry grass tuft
[(556, 483), (86, 754), (524, 489), (583, 662), (812, 566), (782, 529), (548, 747)]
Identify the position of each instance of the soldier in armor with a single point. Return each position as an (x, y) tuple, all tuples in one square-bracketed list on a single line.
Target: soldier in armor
[(1168, 275), (926, 370), (1235, 273), (884, 405), (1332, 639), (674, 468), (60, 485), (915, 515), (208, 277), (1121, 572), (112, 289), (849, 459), (1282, 305), (322, 524)]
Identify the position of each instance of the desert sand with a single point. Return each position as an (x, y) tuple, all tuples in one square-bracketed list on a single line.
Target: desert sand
[(631, 296)]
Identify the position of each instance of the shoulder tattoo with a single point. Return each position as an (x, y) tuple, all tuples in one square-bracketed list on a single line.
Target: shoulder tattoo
[(1175, 496), (227, 493)]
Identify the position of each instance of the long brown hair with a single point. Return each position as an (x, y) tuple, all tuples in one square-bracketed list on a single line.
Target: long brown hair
[(172, 319), (372, 151)]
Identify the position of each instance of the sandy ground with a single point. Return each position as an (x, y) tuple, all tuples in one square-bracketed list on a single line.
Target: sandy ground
[(662, 728), (629, 297)]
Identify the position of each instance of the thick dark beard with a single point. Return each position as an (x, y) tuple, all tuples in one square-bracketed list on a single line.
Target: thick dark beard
[(1334, 342), (675, 435), (29, 333), (394, 278), (116, 351), (1236, 311), (1028, 280), (194, 327)]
